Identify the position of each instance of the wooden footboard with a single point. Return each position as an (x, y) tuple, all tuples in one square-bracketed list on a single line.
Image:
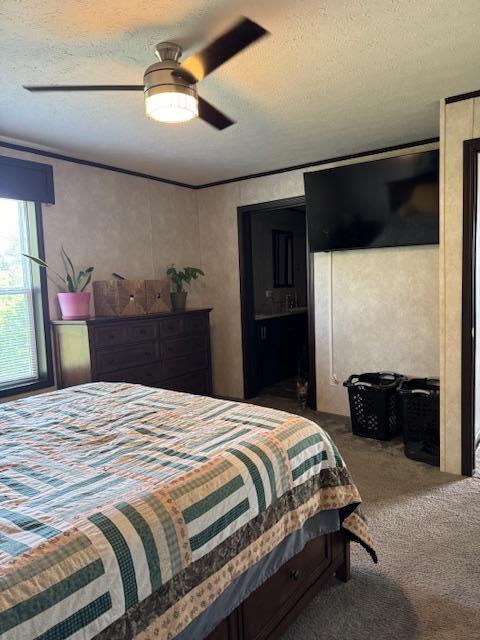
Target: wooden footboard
[(266, 613)]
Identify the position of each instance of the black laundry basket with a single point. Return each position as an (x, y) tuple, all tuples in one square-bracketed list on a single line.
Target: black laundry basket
[(419, 401), (373, 404)]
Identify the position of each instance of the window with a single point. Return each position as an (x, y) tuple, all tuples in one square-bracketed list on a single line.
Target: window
[(25, 357)]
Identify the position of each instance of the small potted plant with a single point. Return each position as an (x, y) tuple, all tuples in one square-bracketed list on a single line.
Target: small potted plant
[(178, 279), (74, 301)]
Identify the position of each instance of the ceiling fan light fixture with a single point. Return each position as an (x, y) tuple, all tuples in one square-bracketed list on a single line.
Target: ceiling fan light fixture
[(169, 85), (173, 104)]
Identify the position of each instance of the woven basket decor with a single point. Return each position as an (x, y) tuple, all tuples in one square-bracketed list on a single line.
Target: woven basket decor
[(130, 297)]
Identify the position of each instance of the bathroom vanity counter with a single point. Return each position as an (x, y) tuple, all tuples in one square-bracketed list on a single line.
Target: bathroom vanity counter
[(280, 339)]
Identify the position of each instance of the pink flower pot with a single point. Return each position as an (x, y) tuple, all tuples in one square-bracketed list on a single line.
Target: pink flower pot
[(74, 306)]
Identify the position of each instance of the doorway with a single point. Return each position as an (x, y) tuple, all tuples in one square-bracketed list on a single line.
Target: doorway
[(470, 304), (277, 308)]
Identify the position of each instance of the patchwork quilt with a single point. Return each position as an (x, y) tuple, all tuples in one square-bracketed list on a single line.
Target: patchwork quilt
[(126, 510)]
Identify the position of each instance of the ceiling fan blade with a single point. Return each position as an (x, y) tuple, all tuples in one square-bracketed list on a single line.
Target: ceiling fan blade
[(213, 116), (86, 87), (200, 64)]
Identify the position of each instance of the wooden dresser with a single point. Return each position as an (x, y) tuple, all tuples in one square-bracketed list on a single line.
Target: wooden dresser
[(169, 350)]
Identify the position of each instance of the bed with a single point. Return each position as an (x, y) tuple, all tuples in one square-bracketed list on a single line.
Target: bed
[(133, 512)]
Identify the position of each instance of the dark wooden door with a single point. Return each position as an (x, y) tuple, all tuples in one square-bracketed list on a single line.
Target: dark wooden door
[(470, 332)]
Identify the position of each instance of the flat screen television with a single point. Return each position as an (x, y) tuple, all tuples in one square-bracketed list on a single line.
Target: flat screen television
[(381, 203)]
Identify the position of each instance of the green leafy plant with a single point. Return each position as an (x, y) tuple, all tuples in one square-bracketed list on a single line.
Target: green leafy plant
[(178, 278), (73, 282)]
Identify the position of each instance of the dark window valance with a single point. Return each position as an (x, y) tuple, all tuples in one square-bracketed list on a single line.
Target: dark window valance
[(25, 180)]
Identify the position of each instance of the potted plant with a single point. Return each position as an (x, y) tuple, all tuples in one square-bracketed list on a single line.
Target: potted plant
[(74, 301), (178, 279)]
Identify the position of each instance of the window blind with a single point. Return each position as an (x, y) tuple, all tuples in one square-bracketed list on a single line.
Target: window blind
[(18, 344)]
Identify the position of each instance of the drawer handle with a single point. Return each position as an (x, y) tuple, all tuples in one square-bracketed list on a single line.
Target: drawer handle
[(294, 575)]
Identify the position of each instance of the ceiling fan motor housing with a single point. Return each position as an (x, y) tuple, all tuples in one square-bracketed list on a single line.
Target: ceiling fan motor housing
[(158, 77)]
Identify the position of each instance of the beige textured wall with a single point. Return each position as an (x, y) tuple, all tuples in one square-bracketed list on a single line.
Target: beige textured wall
[(408, 290), (118, 222), (459, 121), (385, 317), (219, 244), (217, 210), (137, 226)]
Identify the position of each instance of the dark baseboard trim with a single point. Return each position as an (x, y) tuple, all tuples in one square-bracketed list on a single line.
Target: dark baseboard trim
[(463, 96), (227, 398), (137, 174)]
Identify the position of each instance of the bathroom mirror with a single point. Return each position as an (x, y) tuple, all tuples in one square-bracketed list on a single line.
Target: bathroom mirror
[(282, 258)]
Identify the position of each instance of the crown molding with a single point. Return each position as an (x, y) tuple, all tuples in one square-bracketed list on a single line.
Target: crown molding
[(206, 185), (463, 96)]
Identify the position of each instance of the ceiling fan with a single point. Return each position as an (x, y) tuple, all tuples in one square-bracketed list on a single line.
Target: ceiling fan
[(170, 85)]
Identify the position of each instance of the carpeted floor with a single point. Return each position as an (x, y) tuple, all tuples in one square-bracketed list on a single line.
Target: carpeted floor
[(427, 530), (285, 389)]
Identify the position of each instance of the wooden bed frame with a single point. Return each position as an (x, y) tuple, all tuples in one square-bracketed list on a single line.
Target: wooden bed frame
[(266, 613)]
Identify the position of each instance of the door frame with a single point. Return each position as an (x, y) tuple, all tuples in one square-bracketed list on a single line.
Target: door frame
[(244, 215), (471, 151)]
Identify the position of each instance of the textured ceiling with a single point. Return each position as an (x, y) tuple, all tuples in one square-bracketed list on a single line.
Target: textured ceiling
[(335, 77)]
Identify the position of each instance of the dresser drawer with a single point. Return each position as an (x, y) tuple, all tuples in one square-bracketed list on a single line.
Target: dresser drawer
[(148, 375), (195, 323), (171, 326), (285, 587), (195, 382), (140, 331), (174, 347), (178, 325), (222, 632), (125, 333), (178, 366), (110, 335), (113, 359)]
